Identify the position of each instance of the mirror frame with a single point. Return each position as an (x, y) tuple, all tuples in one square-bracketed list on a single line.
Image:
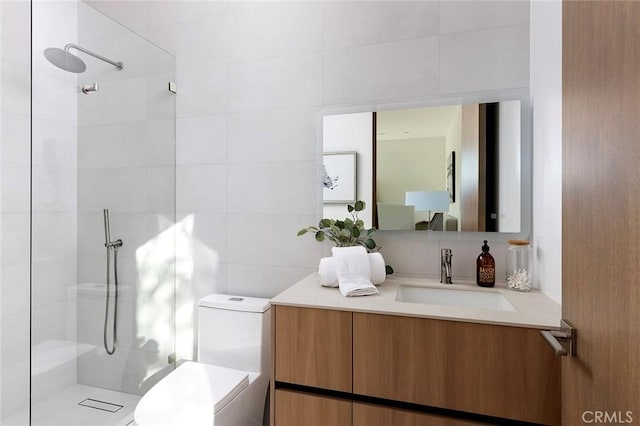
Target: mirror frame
[(526, 159)]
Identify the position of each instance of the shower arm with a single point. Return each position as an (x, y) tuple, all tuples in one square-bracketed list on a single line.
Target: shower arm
[(118, 65)]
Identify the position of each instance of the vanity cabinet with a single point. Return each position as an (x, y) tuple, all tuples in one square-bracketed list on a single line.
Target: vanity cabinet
[(499, 371), (376, 415), (376, 369), (301, 408), (313, 347)]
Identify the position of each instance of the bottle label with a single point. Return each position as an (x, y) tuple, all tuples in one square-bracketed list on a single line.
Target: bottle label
[(487, 274)]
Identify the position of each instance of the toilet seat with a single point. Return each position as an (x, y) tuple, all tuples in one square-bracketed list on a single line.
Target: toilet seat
[(191, 394)]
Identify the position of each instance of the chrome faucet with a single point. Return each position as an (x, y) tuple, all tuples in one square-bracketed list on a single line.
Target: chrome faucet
[(445, 266)]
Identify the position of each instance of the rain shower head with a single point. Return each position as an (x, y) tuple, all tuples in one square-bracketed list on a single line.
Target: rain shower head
[(64, 60)]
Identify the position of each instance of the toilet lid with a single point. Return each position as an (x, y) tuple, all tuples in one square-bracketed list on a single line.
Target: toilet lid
[(191, 394)]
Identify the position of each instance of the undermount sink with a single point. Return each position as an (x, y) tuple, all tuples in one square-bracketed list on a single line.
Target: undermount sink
[(450, 297)]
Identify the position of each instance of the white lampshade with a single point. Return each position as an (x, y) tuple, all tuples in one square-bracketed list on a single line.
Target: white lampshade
[(432, 201)]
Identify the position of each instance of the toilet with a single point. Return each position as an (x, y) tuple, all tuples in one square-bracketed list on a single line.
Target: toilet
[(228, 384)]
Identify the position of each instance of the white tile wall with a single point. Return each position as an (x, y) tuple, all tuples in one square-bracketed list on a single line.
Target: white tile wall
[(272, 188), (358, 23), (15, 237), (54, 181), (392, 71), (253, 80), (15, 131), (202, 140), (457, 16), (281, 82), (270, 240), (273, 135), (204, 40), (15, 86), (259, 30), (490, 59), (201, 188), (126, 163), (203, 91), (15, 194), (546, 89)]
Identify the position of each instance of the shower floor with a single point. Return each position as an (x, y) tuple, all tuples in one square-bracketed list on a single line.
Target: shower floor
[(62, 409)]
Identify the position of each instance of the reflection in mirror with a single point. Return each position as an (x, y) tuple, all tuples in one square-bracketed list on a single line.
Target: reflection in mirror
[(444, 168)]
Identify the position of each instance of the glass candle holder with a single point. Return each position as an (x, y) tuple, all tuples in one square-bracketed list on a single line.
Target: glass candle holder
[(517, 265)]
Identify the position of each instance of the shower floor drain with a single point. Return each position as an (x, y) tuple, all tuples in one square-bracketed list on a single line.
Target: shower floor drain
[(100, 405)]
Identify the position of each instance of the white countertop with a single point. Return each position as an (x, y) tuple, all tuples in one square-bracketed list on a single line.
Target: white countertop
[(533, 309)]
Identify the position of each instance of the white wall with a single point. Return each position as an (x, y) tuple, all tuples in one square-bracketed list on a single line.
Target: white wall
[(509, 175), (54, 200), (15, 29), (126, 157), (410, 165), (351, 132), (546, 93), (253, 79)]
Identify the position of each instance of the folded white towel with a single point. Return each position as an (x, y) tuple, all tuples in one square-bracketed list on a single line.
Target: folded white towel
[(329, 278), (357, 286), (353, 271)]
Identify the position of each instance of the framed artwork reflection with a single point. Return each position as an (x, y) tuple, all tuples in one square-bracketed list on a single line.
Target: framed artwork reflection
[(451, 176), (339, 177)]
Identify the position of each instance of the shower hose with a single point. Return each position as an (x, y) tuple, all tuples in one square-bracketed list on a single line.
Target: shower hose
[(111, 350)]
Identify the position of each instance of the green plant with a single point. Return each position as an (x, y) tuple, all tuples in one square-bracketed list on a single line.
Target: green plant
[(344, 233)]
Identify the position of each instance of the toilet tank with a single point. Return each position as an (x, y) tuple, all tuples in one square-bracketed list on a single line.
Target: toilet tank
[(235, 332)]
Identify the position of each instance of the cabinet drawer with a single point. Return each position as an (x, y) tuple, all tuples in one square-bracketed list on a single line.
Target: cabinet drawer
[(506, 372), (376, 415), (313, 347), (299, 408)]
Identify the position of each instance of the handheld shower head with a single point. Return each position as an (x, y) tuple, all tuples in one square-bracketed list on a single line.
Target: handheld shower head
[(64, 60)]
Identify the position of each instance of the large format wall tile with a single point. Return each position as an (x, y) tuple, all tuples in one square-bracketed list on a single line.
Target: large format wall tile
[(201, 189), (382, 72), (260, 30), (273, 135), (271, 240), (279, 187), (456, 16), (484, 60), (263, 281), (282, 82), (359, 23), (202, 140)]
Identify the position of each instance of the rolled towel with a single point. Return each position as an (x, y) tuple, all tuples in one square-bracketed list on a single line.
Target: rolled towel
[(327, 270), (353, 271), (378, 268)]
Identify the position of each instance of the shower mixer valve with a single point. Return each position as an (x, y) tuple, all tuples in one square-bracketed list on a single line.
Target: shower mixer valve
[(115, 244)]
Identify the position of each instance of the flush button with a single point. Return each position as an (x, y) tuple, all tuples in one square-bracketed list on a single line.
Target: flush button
[(236, 299)]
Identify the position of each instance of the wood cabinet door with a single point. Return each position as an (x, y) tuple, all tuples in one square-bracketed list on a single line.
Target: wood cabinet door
[(505, 372), (376, 415), (313, 347), (299, 408), (601, 210)]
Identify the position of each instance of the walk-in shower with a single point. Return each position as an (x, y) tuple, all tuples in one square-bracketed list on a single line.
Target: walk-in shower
[(67, 61), (103, 338)]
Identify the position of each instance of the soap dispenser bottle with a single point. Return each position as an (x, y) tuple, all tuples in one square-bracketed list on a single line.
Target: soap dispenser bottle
[(485, 268)]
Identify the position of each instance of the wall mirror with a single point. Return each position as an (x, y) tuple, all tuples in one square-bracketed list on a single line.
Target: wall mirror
[(451, 168)]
